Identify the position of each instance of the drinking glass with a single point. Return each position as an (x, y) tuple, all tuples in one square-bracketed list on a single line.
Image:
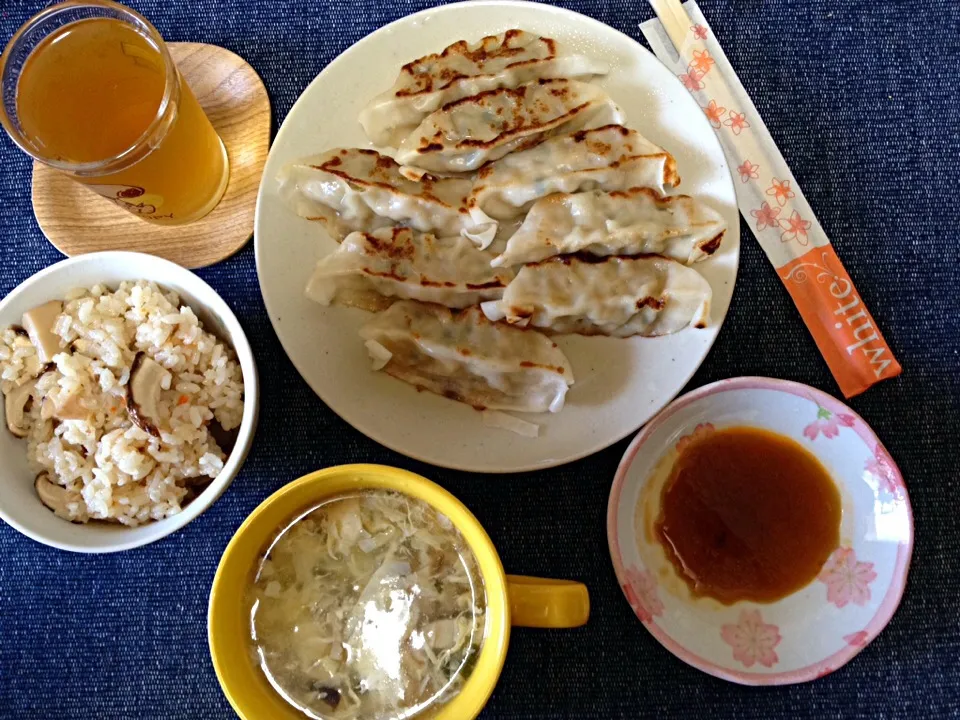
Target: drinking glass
[(89, 88)]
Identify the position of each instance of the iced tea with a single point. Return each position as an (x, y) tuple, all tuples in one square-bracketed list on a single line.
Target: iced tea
[(100, 98)]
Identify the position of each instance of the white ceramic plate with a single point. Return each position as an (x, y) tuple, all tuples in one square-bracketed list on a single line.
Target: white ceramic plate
[(19, 505), (619, 385), (820, 627)]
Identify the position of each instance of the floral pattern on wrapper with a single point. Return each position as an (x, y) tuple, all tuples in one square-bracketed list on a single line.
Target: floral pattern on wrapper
[(702, 62), (766, 216), (748, 170), (737, 122), (714, 114), (795, 228), (692, 79), (780, 191)]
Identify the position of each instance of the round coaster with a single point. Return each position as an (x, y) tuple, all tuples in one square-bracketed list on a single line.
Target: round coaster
[(77, 220)]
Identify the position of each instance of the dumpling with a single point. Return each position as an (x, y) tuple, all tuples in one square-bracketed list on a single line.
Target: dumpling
[(463, 135), (354, 190), (606, 158), (463, 356), (463, 69), (617, 296), (631, 222), (369, 270)]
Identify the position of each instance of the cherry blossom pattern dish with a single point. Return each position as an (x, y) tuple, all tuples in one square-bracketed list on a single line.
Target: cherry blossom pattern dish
[(815, 630)]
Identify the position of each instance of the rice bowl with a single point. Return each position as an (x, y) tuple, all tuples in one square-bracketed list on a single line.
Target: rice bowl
[(86, 431), (147, 463)]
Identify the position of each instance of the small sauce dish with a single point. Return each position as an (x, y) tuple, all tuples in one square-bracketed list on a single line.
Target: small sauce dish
[(813, 630)]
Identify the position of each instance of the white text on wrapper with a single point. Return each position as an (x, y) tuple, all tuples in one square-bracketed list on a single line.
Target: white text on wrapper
[(864, 333)]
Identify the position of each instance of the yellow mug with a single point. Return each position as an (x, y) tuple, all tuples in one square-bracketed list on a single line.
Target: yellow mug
[(511, 599)]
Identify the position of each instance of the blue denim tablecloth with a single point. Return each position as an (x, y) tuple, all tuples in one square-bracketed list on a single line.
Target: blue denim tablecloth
[(860, 95)]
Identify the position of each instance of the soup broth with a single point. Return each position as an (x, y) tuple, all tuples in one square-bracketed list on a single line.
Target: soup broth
[(367, 607)]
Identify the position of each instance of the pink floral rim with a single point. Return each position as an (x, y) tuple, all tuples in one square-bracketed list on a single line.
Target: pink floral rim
[(856, 642)]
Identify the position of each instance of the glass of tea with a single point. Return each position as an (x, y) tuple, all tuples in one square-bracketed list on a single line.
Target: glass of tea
[(89, 88)]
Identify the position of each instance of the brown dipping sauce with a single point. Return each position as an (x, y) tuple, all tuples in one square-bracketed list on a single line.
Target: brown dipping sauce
[(748, 514)]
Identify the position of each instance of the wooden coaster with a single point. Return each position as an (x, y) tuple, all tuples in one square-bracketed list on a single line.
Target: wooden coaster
[(77, 220)]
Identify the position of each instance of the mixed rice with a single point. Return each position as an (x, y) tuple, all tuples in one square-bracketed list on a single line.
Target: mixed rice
[(95, 458)]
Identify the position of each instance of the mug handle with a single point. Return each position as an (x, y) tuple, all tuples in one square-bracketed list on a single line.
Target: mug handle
[(542, 603)]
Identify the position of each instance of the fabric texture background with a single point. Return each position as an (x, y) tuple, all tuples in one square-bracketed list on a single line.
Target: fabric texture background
[(858, 94)]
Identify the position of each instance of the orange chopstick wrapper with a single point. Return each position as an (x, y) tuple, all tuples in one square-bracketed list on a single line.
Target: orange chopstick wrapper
[(776, 211)]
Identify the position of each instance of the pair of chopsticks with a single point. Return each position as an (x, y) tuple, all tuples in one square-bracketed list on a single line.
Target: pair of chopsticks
[(674, 20), (855, 364)]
